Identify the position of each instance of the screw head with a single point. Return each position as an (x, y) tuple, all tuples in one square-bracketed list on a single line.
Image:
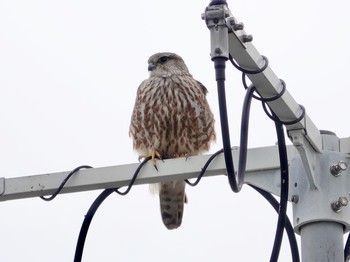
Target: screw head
[(342, 165), (343, 201)]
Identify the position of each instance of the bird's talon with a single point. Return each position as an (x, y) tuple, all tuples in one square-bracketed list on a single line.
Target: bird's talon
[(186, 155), (153, 157), (155, 166)]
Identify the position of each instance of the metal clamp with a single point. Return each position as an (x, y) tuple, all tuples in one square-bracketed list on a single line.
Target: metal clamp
[(215, 18)]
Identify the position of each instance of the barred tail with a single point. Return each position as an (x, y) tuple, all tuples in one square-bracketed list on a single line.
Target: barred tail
[(172, 198)]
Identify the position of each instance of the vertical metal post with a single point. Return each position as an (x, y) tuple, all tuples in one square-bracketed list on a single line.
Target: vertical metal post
[(322, 242)]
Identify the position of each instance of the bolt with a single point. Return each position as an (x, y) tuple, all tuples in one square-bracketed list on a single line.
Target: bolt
[(238, 26), (338, 168), (295, 199), (217, 51), (337, 205), (247, 38), (231, 20)]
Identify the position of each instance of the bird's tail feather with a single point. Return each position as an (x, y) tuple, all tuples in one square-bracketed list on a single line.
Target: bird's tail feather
[(172, 198)]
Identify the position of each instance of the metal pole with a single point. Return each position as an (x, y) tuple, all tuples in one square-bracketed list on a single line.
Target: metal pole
[(322, 241)]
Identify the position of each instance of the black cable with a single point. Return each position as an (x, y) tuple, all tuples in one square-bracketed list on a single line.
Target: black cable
[(243, 145), (234, 181), (284, 178), (283, 163), (204, 168), (282, 207), (58, 190), (260, 98), (282, 149), (87, 221), (95, 205), (133, 179), (347, 249), (247, 71), (218, 2), (274, 118), (288, 225)]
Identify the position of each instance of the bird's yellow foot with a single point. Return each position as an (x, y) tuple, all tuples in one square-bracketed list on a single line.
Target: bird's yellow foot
[(154, 156)]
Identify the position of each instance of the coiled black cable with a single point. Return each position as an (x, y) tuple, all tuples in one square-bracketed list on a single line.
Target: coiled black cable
[(204, 168), (283, 162), (59, 189)]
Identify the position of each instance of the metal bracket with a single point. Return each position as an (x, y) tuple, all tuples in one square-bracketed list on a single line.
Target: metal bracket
[(215, 18), (326, 203), (308, 155)]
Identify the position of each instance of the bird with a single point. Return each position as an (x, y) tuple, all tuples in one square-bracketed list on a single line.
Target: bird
[(171, 118)]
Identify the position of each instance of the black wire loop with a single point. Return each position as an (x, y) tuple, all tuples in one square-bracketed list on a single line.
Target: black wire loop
[(268, 99), (248, 71), (273, 117), (59, 189)]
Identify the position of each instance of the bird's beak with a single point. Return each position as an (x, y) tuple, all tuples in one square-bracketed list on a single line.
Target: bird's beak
[(151, 67)]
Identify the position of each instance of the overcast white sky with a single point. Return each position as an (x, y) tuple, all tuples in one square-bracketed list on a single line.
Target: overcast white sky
[(69, 71)]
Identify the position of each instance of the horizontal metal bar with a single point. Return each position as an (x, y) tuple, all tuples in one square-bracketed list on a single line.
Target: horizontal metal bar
[(119, 176)]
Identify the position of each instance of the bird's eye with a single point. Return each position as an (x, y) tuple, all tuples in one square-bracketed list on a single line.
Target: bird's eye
[(163, 59)]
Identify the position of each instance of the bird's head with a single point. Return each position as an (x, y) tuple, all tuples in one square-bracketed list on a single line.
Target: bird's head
[(166, 64)]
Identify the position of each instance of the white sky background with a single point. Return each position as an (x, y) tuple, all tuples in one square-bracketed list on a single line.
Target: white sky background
[(69, 71)]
